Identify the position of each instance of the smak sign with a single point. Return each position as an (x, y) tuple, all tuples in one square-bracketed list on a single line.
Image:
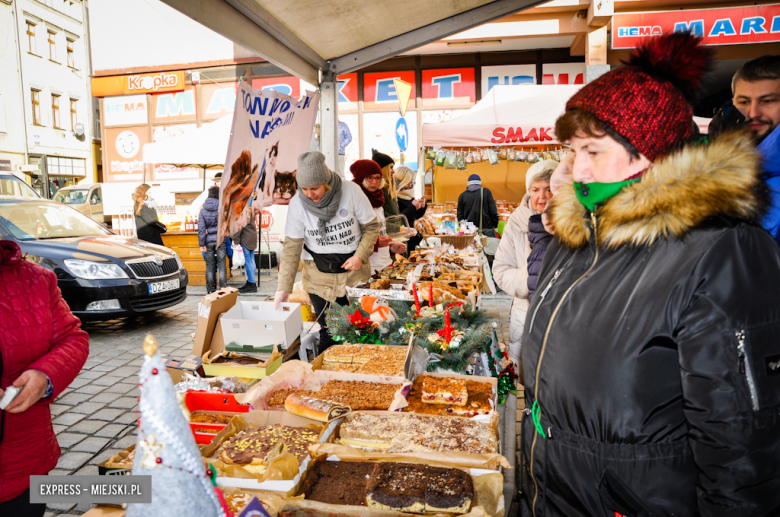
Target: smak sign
[(726, 26), (519, 135), (154, 83)]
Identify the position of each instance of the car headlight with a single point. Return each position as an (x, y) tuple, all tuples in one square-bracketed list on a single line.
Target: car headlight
[(178, 260), (94, 270)]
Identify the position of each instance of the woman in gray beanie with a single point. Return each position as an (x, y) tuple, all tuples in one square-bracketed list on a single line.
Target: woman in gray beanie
[(332, 226)]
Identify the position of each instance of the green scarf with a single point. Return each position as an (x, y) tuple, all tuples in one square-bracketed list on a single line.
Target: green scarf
[(594, 193)]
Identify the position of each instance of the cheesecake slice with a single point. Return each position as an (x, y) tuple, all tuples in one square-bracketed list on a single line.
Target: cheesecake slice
[(443, 390)]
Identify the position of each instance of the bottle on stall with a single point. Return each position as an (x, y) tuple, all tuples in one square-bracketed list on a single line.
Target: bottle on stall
[(195, 226), (186, 223)]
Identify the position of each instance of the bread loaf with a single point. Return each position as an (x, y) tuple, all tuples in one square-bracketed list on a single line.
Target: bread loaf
[(315, 409)]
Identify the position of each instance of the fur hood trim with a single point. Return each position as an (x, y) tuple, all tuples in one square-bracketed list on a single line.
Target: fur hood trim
[(676, 194)]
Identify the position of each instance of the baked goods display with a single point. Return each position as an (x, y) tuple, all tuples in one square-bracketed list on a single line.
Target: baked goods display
[(406, 432), (371, 360), (480, 395), (444, 390), (441, 292), (237, 502), (278, 397), (316, 407), (254, 448), (406, 487)]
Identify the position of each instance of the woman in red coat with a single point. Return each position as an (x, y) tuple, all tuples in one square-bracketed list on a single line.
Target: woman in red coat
[(42, 349)]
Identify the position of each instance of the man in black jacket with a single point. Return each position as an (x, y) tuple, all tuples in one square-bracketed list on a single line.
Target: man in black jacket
[(474, 199)]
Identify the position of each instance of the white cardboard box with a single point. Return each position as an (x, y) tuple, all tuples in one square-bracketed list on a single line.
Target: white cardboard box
[(258, 324)]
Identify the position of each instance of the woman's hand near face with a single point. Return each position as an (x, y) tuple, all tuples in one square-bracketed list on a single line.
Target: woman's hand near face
[(419, 203), (353, 263)]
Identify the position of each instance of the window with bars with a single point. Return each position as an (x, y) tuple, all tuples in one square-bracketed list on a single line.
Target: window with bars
[(31, 38), (55, 111), (74, 119), (71, 55), (52, 46), (36, 106)]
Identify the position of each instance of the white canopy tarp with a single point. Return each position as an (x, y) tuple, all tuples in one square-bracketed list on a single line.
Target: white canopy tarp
[(204, 147), (509, 115)]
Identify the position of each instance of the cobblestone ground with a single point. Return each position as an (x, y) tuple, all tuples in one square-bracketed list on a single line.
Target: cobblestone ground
[(95, 417)]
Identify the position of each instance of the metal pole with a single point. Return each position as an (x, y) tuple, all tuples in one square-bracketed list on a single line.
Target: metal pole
[(329, 122)]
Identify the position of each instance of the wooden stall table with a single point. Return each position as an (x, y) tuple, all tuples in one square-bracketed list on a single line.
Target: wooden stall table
[(185, 244)]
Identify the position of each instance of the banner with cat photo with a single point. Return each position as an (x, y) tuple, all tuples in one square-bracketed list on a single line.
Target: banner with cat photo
[(270, 130)]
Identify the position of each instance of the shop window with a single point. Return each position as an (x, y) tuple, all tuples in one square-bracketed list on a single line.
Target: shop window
[(36, 107), (71, 55), (55, 111), (52, 46), (74, 118), (31, 38)]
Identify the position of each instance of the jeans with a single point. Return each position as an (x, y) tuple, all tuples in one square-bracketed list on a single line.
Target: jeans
[(216, 257), (326, 340), (249, 265)]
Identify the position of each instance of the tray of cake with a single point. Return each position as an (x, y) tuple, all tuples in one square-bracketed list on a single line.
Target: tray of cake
[(265, 450), (394, 486), (449, 394)]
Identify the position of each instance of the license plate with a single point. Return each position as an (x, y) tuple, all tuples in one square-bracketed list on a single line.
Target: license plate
[(161, 287)]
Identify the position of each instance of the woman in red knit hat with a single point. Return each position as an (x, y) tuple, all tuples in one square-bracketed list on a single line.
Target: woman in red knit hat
[(368, 175), (651, 347)]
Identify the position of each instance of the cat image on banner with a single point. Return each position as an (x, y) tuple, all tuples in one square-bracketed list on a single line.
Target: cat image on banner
[(280, 186), (270, 130)]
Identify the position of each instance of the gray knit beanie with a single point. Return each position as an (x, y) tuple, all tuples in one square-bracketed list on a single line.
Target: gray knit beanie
[(312, 170)]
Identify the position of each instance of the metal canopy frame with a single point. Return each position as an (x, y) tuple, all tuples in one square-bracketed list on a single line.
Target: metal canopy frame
[(249, 25)]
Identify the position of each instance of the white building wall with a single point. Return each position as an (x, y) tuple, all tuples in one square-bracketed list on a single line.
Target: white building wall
[(55, 77), (11, 114)]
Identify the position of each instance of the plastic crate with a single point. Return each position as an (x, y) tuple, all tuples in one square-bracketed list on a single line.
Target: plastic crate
[(203, 401)]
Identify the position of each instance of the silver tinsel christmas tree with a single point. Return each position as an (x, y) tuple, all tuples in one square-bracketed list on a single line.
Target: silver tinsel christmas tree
[(166, 450)]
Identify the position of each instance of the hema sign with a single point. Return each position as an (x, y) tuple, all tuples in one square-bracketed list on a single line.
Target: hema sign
[(724, 26)]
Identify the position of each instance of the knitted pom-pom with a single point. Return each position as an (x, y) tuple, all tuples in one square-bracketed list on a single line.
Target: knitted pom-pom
[(678, 58)]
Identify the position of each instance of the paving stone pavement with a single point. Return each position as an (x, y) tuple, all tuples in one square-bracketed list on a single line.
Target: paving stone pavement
[(95, 417)]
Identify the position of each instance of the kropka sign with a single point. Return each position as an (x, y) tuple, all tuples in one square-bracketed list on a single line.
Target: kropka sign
[(726, 26)]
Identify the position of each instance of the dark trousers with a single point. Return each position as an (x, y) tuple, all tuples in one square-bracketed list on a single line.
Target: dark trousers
[(326, 340), (216, 258), (22, 507)]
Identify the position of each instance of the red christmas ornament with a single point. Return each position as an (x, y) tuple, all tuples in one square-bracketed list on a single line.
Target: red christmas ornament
[(158, 460), (154, 371)]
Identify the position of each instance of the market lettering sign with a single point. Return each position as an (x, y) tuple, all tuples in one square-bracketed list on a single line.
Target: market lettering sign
[(563, 73), (448, 87), (174, 107), (348, 92), (379, 89), (507, 74), (726, 26), (163, 82), (513, 135)]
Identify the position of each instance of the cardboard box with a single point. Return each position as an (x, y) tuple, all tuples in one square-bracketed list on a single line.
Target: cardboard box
[(257, 323), (209, 309), (105, 511), (258, 418), (245, 372)]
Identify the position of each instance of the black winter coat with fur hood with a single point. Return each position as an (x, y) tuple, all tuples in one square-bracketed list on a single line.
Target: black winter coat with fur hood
[(652, 348)]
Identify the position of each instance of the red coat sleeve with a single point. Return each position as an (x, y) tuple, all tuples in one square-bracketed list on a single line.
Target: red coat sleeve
[(69, 344)]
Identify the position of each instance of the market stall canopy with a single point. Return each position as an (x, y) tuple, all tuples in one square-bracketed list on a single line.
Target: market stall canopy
[(204, 147), (507, 115), (340, 36)]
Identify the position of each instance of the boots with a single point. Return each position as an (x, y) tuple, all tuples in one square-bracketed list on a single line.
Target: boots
[(248, 289)]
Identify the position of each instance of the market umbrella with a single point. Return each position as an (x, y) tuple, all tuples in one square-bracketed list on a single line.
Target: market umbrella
[(205, 147)]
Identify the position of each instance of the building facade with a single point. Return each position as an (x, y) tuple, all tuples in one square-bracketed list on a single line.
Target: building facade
[(46, 127)]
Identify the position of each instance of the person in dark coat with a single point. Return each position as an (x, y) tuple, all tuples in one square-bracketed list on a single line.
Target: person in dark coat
[(148, 227), (215, 256), (650, 350), (538, 239), (42, 349), (469, 206)]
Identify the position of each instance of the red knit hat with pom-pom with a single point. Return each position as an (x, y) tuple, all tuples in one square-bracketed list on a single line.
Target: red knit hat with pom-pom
[(648, 101)]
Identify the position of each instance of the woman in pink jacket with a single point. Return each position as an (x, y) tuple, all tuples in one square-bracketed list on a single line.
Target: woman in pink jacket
[(42, 349)]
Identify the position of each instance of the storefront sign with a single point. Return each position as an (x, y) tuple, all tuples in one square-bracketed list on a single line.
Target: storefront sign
[(348, 92), (563, 73), (125, 110), (123, 151), (218, 99), (174, 107), (5, 165), (447, 87), (266, 220), (508, 74), (139, 83), (726, 26), (519, 135), (379, 90)]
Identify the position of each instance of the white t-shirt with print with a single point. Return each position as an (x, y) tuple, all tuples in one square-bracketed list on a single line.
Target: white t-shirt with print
[(343, 231)]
